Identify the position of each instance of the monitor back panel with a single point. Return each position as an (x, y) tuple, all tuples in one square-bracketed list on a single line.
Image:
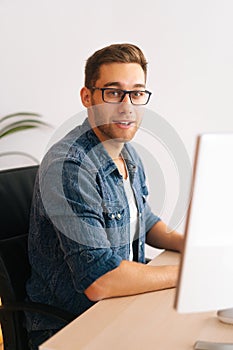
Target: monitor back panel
[(206, 273)]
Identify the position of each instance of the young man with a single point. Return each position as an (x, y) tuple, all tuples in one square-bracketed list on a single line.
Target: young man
[(90, 218)]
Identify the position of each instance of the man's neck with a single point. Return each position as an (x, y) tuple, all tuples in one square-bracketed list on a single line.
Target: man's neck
[(113, 147)]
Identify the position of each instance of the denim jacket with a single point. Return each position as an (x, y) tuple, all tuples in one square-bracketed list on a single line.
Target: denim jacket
[(80, 222)]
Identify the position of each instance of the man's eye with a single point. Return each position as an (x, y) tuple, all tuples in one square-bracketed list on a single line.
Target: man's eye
[(114, 93), (138, 93)]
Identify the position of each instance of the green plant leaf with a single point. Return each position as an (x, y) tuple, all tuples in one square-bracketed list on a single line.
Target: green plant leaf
[(21, 125), (19, 128), (20, 114)]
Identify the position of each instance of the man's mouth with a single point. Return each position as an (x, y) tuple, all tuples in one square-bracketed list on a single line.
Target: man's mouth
[(124, 123)]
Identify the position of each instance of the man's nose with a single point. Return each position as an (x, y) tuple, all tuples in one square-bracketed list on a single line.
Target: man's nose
[(126, 105), (126, 99)]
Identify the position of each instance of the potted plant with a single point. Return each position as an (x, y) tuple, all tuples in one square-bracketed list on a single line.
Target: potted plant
[(17, 122)]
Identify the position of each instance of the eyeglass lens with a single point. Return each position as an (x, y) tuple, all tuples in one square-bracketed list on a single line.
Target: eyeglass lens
[(117, 95)]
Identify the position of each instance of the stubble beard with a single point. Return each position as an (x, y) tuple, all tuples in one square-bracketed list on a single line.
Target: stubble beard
[(110, 131)]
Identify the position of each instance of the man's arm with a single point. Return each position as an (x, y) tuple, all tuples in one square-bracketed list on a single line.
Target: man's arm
[(161, 237), (131, 278)]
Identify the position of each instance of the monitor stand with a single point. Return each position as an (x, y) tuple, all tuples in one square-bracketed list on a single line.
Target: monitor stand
[(206, 345), (225, 316)]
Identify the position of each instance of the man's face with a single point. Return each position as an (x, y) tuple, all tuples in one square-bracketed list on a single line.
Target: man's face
[(117, 122)]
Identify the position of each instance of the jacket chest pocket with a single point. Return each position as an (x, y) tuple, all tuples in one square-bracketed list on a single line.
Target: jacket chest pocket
[(113, 213)]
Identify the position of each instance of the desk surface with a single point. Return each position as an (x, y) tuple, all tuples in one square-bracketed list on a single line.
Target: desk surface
[(140, 322)]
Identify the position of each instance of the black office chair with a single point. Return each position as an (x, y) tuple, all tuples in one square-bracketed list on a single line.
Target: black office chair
[(16, 188)]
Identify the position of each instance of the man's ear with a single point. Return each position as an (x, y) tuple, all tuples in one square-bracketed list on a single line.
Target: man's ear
[(85, 94)]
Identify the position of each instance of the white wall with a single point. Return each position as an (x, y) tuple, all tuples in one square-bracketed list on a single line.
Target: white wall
[(44, 45)]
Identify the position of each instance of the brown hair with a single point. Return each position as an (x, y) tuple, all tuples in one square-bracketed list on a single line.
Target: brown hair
[(120, 53)]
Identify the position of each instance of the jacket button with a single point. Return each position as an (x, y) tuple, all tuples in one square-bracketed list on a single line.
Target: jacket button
[(118, 216), (112, 216)]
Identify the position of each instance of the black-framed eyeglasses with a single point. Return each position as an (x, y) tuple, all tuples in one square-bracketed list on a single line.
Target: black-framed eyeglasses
[(113, 95)]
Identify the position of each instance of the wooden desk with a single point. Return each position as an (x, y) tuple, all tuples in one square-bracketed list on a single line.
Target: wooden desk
[(140, 322)]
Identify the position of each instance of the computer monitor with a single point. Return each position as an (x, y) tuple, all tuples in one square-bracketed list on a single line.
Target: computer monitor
[(205, 280)]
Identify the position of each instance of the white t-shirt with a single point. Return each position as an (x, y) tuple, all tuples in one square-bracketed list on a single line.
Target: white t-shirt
[(133, 212)]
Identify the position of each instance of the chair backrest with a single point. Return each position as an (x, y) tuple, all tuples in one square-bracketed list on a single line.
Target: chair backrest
[(16, 189), (14, 270)]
